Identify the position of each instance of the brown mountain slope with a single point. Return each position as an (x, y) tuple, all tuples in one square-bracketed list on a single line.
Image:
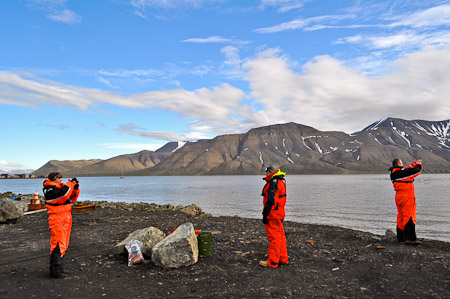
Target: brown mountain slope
[(302, 149), (123, 163), (65, 167), (295, 148)]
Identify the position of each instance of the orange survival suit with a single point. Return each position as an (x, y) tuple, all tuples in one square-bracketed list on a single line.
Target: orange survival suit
[(274, 193), (58, 201), (405, 199)]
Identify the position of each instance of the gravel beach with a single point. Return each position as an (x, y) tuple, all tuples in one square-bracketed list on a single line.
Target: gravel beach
[(326, 261)]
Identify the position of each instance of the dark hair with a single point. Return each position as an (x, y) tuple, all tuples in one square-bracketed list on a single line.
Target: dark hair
[(396, 162), (54, 175)]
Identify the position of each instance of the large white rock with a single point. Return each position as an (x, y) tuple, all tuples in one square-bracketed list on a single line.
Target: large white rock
[(149, 237), (179, 249), (10, 212)]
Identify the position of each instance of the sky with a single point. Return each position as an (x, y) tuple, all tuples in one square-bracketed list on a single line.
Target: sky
[(97, 79)]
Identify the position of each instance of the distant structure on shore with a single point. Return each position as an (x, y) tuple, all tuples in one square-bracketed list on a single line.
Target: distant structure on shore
[(19, 176)]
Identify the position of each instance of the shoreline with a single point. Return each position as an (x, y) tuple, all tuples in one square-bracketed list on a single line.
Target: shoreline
[(195, 210), (199, 212), (326, 261)]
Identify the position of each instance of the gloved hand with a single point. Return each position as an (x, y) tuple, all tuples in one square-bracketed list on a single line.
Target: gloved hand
[(264, 220)]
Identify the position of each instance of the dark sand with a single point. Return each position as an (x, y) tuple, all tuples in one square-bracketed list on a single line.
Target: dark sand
[(342, 263)]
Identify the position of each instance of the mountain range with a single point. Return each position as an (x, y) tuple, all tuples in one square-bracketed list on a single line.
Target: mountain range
[(295, 148)]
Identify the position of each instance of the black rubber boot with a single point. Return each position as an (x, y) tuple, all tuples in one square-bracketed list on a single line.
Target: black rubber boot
[(410, 231), (56, 268), (400, 235)]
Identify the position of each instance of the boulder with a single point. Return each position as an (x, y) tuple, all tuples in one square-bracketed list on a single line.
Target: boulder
[(193, 210), (389, 235), (10, 212), (190, 210), (179, 249), (148, 236)]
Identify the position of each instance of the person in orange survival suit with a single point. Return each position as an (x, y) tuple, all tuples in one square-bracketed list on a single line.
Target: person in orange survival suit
[(405, 199), (58, 201), (274, 193)]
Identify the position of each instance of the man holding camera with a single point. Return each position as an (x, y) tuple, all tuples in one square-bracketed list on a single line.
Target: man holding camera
[(58, 201), (403, 180)]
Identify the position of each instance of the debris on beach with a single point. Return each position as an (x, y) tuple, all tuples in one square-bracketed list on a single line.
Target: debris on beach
[(149, 236)]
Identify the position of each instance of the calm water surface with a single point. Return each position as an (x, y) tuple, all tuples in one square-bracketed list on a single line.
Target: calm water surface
[(361, 202)]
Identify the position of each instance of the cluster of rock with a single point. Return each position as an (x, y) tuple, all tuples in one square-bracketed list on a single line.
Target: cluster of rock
[(12, 211), (178, 249), (192, 209)]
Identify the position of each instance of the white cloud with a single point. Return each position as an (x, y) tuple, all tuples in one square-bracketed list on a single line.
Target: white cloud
[(59, 127), (106, 82), (56, 10), (216, 40), (283, 5), (131, 73), (405, 41), (134, 146), (65, 16), (232, 64), (5, 165), (431, 17), (330, 96), (326, 94), (434, 17), (211, 39), (307, 24), (142, 4), (141, 7), (159, 135)]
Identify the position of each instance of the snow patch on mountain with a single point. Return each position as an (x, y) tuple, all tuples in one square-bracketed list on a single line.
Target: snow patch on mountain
[(440, 130), (180, 145)]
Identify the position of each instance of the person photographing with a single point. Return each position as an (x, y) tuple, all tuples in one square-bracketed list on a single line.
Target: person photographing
[(403, 180), (58, 201)]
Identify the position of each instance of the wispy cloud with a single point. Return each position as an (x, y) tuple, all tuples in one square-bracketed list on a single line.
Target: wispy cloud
[(56, 126), (431, 17), (422, 19), (211, 39), (5, 165), (65, 16), (283, 5), (131, 73), (231, 67), (107, 82), (216, 40), (405, 40), (306, 24), (134, 130), (56, 10), (142, 4), (406, 33), (141, 7), (133, 146), (170, 70)]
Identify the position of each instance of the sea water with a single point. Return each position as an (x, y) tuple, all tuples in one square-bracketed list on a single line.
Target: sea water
[(361, 202)]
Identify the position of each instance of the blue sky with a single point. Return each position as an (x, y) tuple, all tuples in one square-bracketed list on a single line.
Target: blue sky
[(96, 79)]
